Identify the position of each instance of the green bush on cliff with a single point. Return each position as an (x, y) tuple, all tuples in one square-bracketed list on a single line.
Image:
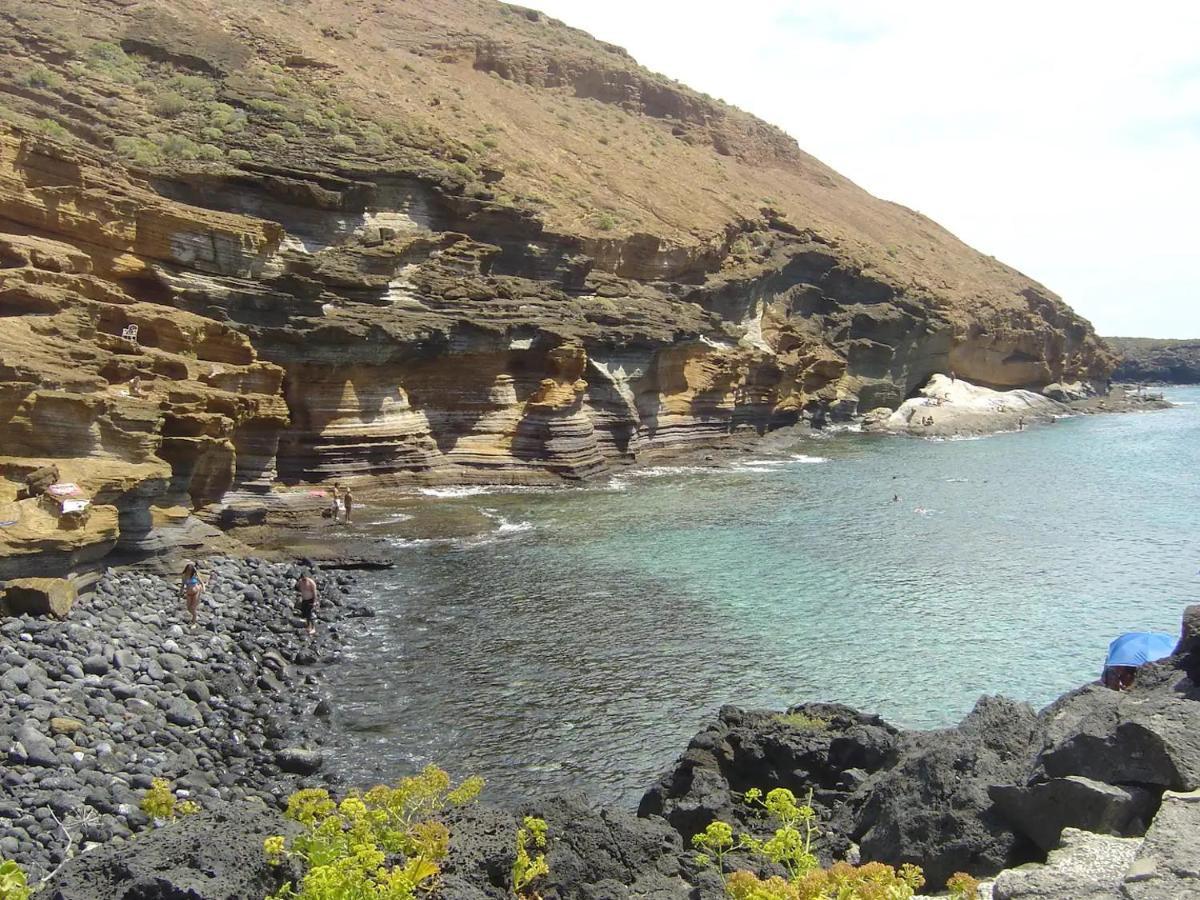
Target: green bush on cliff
[(137, 150), (790, 848), (386, 843), (169, 103), (109, 59), (13, 885), (44, 79)]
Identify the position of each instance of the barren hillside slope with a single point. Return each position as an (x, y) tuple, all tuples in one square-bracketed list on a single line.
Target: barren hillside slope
[(429, 240)]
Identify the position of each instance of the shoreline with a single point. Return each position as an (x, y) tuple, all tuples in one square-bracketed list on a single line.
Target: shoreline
[(124, 691), (304, 533), (882, 793)]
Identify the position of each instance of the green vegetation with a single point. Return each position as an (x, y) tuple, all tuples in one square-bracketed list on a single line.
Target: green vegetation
[(605, 222), (52, 129), (194, 87), (527, 869), (386, 843), (159, 802), (240, 155), (210, 153), (790, 848), (110, 60), (275, 141), (44, 79), (12, 882), (138, 151), (169, 104), (343, 143), (799, 720), (740, 247)]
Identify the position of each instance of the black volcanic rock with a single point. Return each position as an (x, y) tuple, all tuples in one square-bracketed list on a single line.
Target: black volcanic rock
[(217, 853), (827, 747), (1146, 359), (932, 808)]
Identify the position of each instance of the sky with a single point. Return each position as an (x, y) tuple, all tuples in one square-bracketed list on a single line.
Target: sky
[(1061, 137)]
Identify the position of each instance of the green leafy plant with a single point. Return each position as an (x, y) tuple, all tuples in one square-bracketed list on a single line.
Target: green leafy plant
[(343, 143), (384, 844), (240, 155), (790, 847), (527, 869), (13, 885), (962, 886), (160, 804)]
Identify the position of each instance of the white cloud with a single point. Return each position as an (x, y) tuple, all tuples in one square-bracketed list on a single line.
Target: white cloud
[(1063, 138)]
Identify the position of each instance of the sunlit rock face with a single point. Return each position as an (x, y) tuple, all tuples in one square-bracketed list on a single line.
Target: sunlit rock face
[(207, 310)]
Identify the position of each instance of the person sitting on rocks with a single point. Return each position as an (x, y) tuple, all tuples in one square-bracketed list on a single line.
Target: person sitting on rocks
[(309, 599), (191, 587), (1119, 678)]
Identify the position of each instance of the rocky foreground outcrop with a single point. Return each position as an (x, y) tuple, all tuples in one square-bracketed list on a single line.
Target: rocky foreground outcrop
[(245, 248), (1162, 362), (1000, 789), (1096, 796)]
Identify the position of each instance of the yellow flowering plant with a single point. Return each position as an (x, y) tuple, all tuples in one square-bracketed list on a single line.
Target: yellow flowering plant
[(159, 802), (382, 844), (13, 885), (791, 848), (526, 869)]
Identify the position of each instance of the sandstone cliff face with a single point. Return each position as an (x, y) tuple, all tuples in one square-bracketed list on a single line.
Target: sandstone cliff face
[(442, 242)]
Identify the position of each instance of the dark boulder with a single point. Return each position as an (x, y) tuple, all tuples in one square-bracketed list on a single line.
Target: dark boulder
[(592, 853), (299, 760), (823, 746), (933, 809), (1148, 735), (214, 854), (1042, 810)]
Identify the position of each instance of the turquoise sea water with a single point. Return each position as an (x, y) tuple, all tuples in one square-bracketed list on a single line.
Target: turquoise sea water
[(584, 641)]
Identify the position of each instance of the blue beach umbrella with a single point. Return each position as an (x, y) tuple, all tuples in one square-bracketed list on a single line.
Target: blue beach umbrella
[(1139, 647)]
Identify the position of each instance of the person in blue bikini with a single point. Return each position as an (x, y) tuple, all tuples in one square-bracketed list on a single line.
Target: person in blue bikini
[(191, 586)]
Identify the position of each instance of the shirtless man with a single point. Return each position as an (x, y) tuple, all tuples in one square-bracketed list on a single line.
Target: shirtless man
[(309, 600), (347, 505)]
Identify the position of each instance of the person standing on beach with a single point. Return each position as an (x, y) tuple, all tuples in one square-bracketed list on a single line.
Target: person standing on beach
[(191, 586), (347, 505), (309, 599), (335, 504)]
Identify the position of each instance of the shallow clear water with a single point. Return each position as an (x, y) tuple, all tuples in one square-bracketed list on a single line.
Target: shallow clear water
[(584, 641)]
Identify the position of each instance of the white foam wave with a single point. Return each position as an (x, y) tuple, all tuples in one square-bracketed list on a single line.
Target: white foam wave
[(805, 458), (504, 525), (448, 493)]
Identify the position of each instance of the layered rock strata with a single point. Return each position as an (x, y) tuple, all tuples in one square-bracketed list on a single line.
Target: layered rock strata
[(243, 251)]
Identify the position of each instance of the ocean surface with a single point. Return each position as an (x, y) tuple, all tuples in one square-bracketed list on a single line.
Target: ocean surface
[(585, 638)]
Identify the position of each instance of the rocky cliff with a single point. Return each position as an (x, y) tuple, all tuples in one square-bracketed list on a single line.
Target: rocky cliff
[(1147, 359), (431, 241)]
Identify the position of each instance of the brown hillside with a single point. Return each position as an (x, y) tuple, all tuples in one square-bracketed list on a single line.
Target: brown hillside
[(436, 240)]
